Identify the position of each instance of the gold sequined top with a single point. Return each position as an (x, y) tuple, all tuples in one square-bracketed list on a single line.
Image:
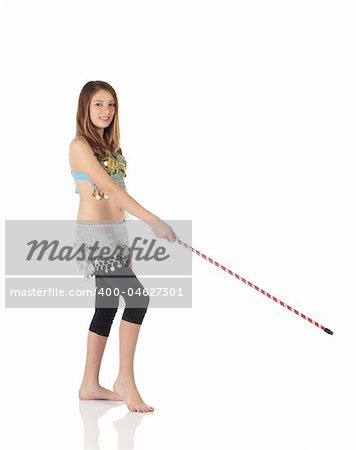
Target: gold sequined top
[(115, 165)]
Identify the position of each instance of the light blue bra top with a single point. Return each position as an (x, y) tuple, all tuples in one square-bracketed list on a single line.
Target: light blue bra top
[(115, 164), (80, 176)]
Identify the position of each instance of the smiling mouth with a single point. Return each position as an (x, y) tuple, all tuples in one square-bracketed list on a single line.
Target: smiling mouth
[(104, 118)]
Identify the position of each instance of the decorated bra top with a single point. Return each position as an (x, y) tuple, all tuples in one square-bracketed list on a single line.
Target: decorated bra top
[(115, 165)]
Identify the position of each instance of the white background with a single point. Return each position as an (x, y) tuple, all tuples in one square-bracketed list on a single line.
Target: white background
[(239, 116)]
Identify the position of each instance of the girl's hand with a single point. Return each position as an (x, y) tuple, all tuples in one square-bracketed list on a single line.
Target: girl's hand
[(162, 230)]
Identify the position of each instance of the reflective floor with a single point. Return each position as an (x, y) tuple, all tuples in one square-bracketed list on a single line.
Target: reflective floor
[(213, 385), (123, 429)]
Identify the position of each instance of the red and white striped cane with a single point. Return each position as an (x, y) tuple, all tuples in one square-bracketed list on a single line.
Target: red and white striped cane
[(256, 287)]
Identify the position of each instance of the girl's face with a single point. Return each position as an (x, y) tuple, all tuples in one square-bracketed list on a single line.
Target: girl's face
[(102, 109)]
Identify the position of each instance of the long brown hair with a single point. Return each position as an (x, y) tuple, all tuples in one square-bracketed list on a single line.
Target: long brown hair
[(85, 128)]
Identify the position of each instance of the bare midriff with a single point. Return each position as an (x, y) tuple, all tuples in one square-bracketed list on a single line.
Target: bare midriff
[(92, 209)]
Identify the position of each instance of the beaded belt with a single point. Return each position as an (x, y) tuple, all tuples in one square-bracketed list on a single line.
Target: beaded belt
[(110, 235)]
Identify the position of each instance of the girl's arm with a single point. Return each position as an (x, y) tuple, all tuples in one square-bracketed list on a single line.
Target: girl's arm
[(85, 159), (87, 162)]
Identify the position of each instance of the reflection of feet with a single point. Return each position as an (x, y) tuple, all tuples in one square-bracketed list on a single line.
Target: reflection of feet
[(90, 413), (97, 392), (126, 429), (127, 391)]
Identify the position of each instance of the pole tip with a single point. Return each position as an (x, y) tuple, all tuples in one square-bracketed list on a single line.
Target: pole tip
[(328, 331)]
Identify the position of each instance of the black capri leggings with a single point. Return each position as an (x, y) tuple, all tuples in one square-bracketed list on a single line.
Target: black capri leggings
[(109, 287)]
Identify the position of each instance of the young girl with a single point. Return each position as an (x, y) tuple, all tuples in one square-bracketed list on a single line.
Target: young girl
[(98, 167)]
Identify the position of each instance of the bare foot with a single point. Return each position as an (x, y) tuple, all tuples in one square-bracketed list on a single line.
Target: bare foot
[(97, 392), (127, 390)]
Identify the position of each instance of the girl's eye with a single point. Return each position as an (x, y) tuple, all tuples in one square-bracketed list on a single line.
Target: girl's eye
[(97, 104)]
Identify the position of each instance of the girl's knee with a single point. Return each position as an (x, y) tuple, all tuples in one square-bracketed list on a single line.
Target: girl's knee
[(102, 321), (136, 312)]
